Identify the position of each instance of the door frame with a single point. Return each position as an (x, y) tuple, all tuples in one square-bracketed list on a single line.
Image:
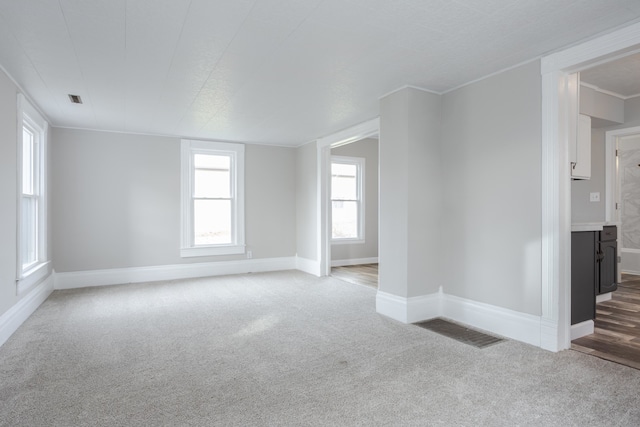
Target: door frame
[(612, 180), (324, 145), (555, 319)]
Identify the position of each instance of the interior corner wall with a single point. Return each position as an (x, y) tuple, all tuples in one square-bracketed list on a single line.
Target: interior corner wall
[(8, 192), (368, 149), (410, 193), (491, 149), (306, 184), (117, 201)]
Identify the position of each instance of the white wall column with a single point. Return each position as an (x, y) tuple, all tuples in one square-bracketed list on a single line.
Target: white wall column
[(410, 202)]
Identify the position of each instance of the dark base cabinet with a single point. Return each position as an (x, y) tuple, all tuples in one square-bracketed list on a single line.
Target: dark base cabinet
[(583, 276), (608, 260), (594, 270)]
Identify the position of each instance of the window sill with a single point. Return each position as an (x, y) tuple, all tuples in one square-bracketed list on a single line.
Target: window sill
[(32, 276), (211, 250), (347, 241)]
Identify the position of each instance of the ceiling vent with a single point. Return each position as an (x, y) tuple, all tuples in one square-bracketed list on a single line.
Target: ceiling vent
[(75, 99)]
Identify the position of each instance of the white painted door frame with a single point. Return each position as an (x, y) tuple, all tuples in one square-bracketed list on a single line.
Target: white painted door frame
[(555, 322), (355, 133), (612, 180)]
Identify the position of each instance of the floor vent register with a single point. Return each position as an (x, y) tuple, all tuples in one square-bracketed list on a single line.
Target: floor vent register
[(460, 333)]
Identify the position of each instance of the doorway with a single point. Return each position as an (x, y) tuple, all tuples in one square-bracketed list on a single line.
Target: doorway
[(555, 315), (353, 198), (617, 322)]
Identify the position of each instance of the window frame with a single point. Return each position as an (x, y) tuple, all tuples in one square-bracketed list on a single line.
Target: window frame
[(28, 117), (187, 171), (360, 163)]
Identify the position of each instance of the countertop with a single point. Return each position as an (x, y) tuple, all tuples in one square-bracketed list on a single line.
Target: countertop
[(590, 226)]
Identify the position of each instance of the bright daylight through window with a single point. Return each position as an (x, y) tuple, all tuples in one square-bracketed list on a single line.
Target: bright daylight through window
[(347, 189), (212, 198)]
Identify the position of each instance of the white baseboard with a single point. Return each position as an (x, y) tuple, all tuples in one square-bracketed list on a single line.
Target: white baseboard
[(409, 310), (16, 315), (308, 266), (549, 336), (497, 320), (582, 329), (603, 297), (116, 276), (354, 261)]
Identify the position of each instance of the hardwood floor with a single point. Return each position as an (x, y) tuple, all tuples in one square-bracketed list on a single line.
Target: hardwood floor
[(617, 326), (365, 274)]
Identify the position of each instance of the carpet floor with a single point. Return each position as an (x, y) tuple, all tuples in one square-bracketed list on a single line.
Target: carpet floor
[(283, 349)]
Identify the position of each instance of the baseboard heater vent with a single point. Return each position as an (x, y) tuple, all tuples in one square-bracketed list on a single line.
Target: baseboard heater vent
[(459, 333)]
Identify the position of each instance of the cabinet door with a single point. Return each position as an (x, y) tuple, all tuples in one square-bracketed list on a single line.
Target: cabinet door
[(581, 169), (607, 253), (583, 276)]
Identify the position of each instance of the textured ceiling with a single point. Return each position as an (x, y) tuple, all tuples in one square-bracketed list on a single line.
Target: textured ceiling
[(621, 76), (270, 71)]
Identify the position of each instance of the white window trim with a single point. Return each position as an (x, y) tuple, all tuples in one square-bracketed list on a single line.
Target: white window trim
[(187, 248), (27, 278), (360, 163)]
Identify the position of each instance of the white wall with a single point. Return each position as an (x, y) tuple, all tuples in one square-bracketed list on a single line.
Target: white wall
[(306, 182), (8, 193), (367, 149), (491, 152), (8, 184), (117, 201), (410, 193)]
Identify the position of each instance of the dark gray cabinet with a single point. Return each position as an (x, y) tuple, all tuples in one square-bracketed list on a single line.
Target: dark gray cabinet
[(583, 276), (607, 260), (594, 270)]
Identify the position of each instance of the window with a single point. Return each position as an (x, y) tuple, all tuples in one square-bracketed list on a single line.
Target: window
[(212, 198), (32, 264), (347, 199)]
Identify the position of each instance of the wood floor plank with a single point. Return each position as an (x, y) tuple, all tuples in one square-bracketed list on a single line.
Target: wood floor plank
[(365, 274), (617, 327)]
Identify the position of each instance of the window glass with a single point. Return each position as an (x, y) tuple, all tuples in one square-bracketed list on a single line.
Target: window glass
[(29, 231), (212, 222), (344, 219), (27, 161), (347, 216)]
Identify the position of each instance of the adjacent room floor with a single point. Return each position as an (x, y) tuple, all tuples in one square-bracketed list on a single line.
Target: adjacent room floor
[(617, 326), (365, 274)]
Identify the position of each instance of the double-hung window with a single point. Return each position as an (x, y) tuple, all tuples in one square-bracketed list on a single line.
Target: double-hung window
[(347, 199), (32, 264), (212, 198)]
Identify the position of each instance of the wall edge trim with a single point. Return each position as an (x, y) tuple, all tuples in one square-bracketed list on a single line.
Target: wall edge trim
[(13, 318)]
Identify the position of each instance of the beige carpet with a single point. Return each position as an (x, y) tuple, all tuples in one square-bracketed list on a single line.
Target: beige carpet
[(283, 348)]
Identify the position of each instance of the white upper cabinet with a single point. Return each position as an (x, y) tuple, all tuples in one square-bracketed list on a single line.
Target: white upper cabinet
[(581, 168)]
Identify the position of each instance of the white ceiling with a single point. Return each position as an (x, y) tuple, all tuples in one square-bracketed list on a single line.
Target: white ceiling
[(270, 71), (621, 76)]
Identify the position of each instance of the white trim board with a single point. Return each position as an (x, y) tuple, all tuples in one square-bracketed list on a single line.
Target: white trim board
[(116, 276), (582, 329), (16, 315), (497, 320), (308, 266), (353, 261)]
